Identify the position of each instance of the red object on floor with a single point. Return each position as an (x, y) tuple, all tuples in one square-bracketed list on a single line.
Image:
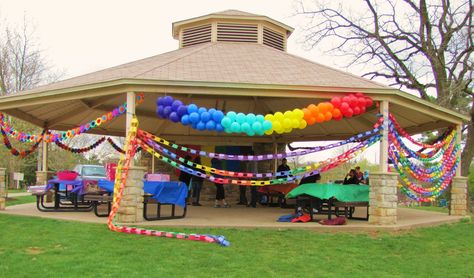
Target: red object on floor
[(303, 218)]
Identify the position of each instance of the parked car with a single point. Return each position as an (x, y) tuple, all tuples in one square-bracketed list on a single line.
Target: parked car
[(90, 172)]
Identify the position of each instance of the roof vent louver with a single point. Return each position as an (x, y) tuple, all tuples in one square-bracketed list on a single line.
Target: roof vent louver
[(196, 35), (273, 39), (233, 32)]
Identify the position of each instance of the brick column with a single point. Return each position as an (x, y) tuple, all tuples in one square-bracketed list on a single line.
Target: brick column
[(383, 198), (458, 205), (131, 206), (2, 189)]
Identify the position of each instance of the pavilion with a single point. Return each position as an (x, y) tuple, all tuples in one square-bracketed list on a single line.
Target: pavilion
[(233, 61)]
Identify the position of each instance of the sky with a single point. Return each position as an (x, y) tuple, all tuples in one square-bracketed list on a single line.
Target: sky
[(79, 37)]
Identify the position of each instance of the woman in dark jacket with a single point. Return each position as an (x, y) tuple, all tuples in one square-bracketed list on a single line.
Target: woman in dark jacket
[(351, 178)]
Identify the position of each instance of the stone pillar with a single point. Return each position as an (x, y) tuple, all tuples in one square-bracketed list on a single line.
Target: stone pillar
[(2, 189), (383, 198), (131, 206), (458, 204), (42, 178)]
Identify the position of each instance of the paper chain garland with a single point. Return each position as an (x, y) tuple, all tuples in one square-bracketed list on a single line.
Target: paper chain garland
[(91, 147), (119, 186), (54, 137), (212, 119), (15, 151), (437, 167)]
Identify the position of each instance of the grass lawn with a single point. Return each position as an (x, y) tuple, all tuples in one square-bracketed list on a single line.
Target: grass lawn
[(36, 247), (11, 201)]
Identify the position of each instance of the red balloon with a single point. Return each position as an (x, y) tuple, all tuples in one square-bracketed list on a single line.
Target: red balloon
[(362, 109), (344, 106), (336, 101), (356, 110), (338, 117), (346, 99), (362, 102), (353, 102), (336, 113), (348, 113), (359, 95), (368, 102)]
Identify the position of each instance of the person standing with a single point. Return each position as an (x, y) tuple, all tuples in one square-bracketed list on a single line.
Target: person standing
[(185, 177), (196, 184), (220, 193), (283, 167), (359, 174)]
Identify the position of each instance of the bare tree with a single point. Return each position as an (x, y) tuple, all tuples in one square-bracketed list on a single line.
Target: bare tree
[(424, 46)]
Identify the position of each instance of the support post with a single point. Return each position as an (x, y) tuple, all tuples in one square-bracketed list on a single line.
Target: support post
[(383, 198), (131, 206), (129, 114), (458, 204), (384, 140), (45, 156), (458, 141), (3, 189)]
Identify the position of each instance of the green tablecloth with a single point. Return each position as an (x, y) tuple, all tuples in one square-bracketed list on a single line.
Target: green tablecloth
[(344, 193)]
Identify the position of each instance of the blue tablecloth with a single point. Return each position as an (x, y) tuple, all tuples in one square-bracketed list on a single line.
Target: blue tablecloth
[(169, 192), (78, 185)]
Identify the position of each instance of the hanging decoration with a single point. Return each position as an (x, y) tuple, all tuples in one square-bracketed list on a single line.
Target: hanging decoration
[(115, 146), (59, 136), (81, 150), (120, 182), (436, 167), (15, 151), (201, 118)]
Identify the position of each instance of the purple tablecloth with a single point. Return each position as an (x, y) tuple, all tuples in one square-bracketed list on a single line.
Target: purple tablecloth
[(169, 192), (78, 185)]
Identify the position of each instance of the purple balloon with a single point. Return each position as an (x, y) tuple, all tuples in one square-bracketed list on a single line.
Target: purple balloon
[(159, 101), (182, 110), (159, 111), (194, 117), (167, 101), (205, 116), (176, 104), (167, 111), (174, 117)]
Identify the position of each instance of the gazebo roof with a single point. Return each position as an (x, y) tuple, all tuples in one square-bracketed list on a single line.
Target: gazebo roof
[(232, 76)]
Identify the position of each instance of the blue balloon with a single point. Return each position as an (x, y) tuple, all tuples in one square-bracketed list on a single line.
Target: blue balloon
[(202, 110), (182, 110), (267, 125), (211, 125), (205, 116), (194, 117), (260, 118), (256, 126), (174, 117), (235, 127), (240, 118), (251, 118), (185, 120), (232, 115), (167, 101), (201, 126), (217, 116), (194, 125), (211, 111), (176, 104), (219, 128), (192, 108), (245, 127), (226, 122), (167, 111)]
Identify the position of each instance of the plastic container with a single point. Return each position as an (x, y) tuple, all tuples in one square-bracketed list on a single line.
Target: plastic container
[(110, 169), (157, 177), (67, 175)]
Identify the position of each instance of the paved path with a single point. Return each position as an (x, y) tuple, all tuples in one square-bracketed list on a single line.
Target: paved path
[(18, 194)]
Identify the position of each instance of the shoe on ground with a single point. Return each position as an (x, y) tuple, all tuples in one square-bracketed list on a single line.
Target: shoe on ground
[(217, 206), (227, 206)]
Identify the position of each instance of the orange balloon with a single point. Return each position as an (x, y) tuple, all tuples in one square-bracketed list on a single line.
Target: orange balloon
[(320, 118), (328, 116), (306, 114), (330, 107), (322, 107), (314, 109), (310, 121), (336, 113)]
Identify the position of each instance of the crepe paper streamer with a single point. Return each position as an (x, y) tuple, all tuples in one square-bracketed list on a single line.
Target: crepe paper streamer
[(356, 138), (119, 186), (81, 150), (115, 146), (183, 165), (54, 137), (201, 118), (15, 151)]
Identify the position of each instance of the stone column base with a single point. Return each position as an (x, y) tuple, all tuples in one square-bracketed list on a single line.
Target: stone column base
[(458, 204), (131, 206), (3, 196), (383, 198)]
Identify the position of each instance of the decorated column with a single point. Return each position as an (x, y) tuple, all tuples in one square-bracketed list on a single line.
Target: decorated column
[(2, 189), (131, 206), (458, 204), (383, 185)]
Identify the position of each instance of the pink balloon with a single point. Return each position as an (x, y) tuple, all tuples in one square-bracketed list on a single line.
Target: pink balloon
[(336, 101)]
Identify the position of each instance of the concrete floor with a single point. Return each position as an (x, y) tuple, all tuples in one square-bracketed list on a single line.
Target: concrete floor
[(260, 217)]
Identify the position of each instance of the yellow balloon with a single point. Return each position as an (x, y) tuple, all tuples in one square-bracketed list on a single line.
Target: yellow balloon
[(295, 123), (288, 130), (303, 124), (278, 116), (279, 131), (288, 114), (276, 125), (286, 123), (269, 132), (269, 117), (299, 113)]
